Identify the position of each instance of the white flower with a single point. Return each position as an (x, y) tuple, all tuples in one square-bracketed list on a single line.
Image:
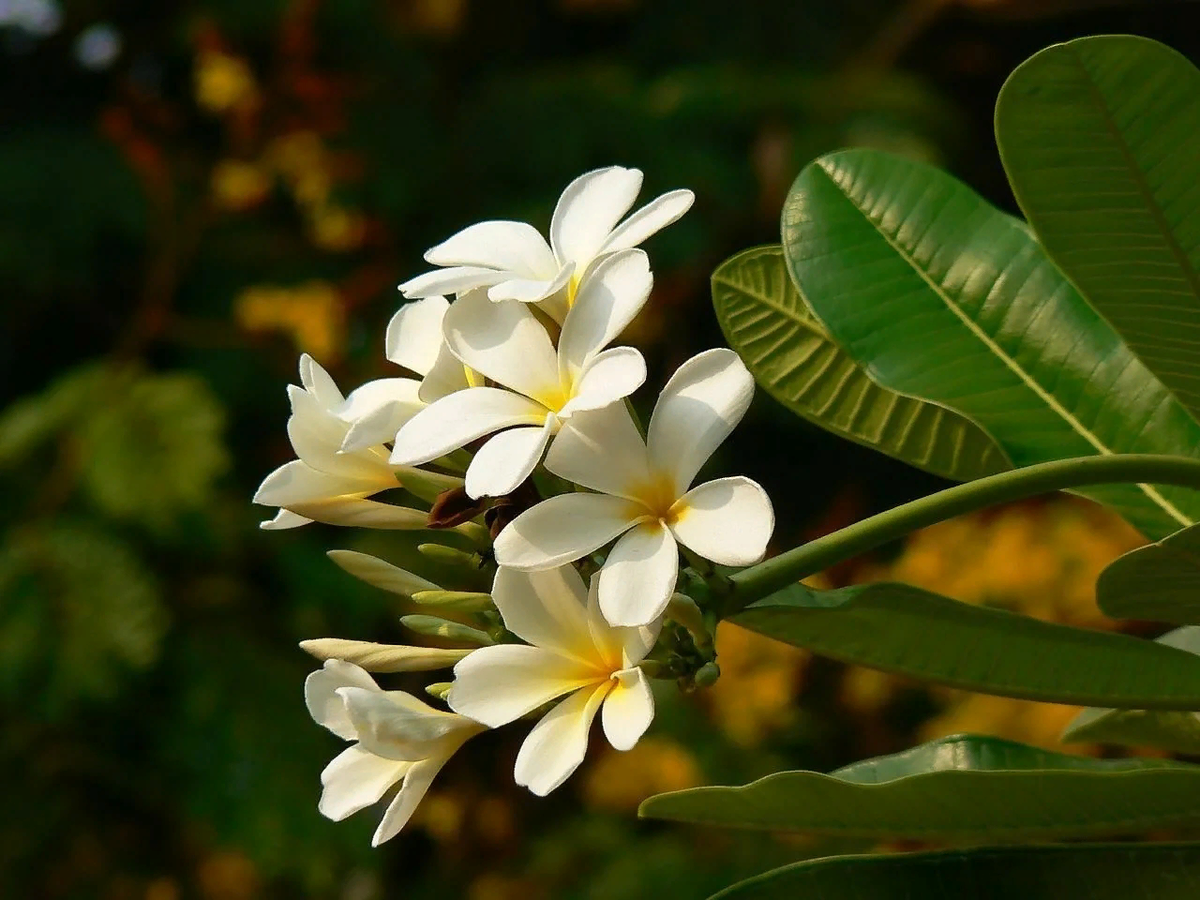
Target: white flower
[(644, 496), (326, 484), (513, 260), (399, 738), (574, 651), (538, 387)]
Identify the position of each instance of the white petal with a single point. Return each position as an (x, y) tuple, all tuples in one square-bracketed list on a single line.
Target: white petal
[(417, 780), (295, 483), (460, 418), (414, 335), (376, 411), (506, 460), (547, 609), (558, 743), (607, 378), (317, 382), (355, 512), (284, 518), (397, 725), (639, 575), (499, 684), (654, 216), (589, 209), (317, 435), (628, 709), (324, 703), (531, 290), (454, 280), (611, 294), (562, 529), (447, 376), (505, 342), (601, 449), (624, 647), (506, 246), (700, 405), (728, 520), (355, 780)]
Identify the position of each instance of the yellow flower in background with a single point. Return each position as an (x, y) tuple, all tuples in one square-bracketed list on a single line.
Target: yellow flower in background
[(619, 781), (223, 82), (311, 314), (335, 228), (237, 185), (760, 680), (302, 163)]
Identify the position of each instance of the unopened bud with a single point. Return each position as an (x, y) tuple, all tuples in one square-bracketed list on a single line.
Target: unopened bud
[(439, 690), (459, 601), (380, 574), (445, 629), (424, 484), (448, 556), (707, 675), (383, 657)]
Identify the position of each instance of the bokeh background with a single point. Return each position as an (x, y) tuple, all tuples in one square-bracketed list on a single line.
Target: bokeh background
[(193, 193)]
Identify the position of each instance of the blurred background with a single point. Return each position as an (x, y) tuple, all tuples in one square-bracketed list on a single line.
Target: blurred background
[(191, 194)]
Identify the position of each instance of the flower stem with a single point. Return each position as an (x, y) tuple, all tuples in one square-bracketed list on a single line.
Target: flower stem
[(778, 572)]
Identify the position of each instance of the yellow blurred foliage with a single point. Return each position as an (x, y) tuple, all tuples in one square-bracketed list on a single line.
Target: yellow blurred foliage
[(441, 814), (334, 228), (440, 17), (301, 161), (238, 185), (760, 679), (223, 82), (311, 314), (1039, 724), (493, 886), (619, 781), (162, 889), (227, 875)]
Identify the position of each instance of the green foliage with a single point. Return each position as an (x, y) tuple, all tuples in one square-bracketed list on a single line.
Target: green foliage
[(1156, 582), (792, 356), (904, 629), (938, 295), (1098, 137), (962, 787), (1095, 871), (79, 611)]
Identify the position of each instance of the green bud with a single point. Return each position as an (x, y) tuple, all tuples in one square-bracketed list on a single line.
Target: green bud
[(439, 690), (424, 484), (448, 556), (707, 675), (459, 601), (432, 626)]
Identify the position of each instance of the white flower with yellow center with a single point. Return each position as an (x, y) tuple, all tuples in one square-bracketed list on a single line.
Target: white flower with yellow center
[(325, 483), (574, 652), (515, 262), (643, 498), (399, 739), (536, 387)]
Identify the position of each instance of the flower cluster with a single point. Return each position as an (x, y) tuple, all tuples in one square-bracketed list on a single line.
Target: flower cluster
[(517, 435)]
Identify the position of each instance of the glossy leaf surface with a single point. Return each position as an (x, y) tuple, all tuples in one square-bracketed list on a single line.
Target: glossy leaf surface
[(939, 295), (792, 356)]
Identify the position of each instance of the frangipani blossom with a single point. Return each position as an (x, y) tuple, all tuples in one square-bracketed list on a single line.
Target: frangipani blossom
[(513, 260), (326, 484), (573, 651), (537, 387), (399, 738), (643, 496)]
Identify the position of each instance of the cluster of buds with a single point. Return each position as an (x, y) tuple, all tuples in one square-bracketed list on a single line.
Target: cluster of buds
[(518, 435)]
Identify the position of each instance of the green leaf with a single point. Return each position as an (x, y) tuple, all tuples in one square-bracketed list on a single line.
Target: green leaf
[(1160, 582), (1178, 732), (903, 629), (792, 356), (1098, 137), (1092, 871), (959, 787), (941, 296)]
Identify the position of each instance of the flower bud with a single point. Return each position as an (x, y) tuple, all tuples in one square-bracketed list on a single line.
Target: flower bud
[(433, 626)]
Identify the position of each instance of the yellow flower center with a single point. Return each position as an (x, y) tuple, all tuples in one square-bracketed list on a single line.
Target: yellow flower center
[(658, 497)]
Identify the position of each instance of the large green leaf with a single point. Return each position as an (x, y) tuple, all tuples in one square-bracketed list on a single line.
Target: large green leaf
[(965, 786), (903, 629), (941, 296), (1099, 138), (1175, 731), (793, 357), (1160, 582), (1085, 871)]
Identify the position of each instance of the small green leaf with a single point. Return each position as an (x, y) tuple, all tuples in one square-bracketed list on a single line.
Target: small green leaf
[(1178, 732), (792, 356), (1098, 137), (1091, 871), (903, 629), (939, 295), (959, 787), (1159, 582)]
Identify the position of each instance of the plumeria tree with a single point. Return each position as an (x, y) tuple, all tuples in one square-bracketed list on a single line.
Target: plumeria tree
[(900, 311)]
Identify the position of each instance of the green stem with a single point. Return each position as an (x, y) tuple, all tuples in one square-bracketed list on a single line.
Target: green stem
[(780, 571)]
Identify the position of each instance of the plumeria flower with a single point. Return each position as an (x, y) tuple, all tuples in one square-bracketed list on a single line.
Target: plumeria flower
[(399, 739), (513, 260), (643, 494), (326, 484), (535, 387), (573, 652)]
